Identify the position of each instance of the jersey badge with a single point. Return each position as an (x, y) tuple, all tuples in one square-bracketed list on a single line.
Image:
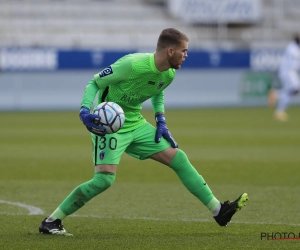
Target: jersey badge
[(160, 85), (151, 83), (107, 71), (102, 155)]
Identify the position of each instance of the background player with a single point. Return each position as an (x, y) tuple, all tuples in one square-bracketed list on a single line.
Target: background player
[(130, 81), (288, 75)]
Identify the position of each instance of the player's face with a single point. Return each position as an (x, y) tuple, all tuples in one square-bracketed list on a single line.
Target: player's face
[(177, 55)]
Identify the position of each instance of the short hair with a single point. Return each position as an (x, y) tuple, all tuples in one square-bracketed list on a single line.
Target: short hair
[(170, 37)]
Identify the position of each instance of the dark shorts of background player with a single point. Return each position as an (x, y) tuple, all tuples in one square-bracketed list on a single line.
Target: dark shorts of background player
[(138, 143)]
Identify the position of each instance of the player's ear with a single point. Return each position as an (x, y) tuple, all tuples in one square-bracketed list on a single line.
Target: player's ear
[(170, 51)]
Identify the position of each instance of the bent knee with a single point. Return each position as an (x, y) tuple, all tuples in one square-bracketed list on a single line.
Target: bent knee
[(103, 180), (179, 160)]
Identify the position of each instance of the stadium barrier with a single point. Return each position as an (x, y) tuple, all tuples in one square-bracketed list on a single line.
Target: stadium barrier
[(48, 78)]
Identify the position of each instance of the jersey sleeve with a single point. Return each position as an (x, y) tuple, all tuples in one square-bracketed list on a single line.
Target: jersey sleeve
[(158, 102), (90, 92), (113, 74)]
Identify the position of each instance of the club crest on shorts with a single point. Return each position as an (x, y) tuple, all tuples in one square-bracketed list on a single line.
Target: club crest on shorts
[(107, 71), (102, 155)]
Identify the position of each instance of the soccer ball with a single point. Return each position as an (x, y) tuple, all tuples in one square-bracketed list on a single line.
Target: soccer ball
[(112, 116)]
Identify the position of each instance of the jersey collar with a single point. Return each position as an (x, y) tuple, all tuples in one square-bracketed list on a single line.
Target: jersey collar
[(152, 64)]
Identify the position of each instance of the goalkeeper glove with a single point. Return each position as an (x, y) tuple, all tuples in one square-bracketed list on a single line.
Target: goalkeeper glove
[(91, 121), (162, 131)]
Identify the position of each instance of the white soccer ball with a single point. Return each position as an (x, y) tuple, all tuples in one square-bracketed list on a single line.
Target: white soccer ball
[(112, 116)]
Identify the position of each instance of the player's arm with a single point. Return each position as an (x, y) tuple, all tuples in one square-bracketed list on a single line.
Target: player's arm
[(90, 92), (88, 119), (161, 126), (112, 74)]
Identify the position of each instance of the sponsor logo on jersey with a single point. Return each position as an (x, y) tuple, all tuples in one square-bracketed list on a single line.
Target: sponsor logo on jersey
[(151, 83), (107, 71), (102, 155), (160, 85)]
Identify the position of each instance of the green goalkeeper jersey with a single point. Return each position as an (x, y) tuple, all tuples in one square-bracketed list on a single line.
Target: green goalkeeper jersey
[(130, 81)]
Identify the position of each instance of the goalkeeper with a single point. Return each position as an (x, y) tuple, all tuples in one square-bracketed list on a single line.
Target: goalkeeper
[(130, 81)]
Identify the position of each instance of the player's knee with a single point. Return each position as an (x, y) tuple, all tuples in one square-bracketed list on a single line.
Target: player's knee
[(179, 161), (103, 180)]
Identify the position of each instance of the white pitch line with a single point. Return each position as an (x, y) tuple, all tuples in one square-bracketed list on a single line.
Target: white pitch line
[(37, 211), (32, 209)]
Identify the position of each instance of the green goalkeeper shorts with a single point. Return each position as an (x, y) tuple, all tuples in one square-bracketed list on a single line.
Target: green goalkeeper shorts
[(138, 143)]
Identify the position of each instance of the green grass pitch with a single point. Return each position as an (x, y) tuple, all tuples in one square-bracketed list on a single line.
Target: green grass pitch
[(44, 155)]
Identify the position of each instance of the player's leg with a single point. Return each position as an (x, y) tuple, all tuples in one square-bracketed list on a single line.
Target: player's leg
[(85, 192), (290, 87), (144, 147), (77, 199), (106, 155), (283, 100), (195, 183), (177, 160)]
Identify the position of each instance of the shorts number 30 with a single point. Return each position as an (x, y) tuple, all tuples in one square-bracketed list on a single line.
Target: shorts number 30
[(112, 143)]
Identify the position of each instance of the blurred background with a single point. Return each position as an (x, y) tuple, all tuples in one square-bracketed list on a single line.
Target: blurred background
[(50, 49)]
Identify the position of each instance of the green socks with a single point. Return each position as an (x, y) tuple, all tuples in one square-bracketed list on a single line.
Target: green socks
[(193, 181), (82, 194)]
